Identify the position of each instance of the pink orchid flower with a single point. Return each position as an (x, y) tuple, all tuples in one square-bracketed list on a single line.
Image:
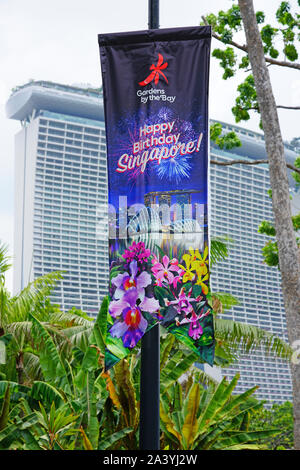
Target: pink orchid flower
[(165, 271)]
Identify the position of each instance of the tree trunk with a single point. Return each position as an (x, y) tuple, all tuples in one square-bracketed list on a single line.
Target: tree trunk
[(20, 367), (287, 247)]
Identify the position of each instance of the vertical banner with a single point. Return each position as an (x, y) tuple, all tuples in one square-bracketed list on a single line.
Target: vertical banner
[(155, 89)]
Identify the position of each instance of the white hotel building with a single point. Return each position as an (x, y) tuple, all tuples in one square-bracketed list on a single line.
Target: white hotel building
[(61, 180)]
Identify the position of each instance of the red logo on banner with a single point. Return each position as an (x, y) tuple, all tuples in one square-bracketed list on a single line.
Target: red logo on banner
[(156, 72)]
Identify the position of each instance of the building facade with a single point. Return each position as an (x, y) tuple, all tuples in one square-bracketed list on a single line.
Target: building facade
[(60, 183), (61, 186)]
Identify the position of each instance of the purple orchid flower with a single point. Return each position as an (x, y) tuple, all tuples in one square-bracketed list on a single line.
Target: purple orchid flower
[(183, 302), (132, 325), (195, 329), (125, 281)]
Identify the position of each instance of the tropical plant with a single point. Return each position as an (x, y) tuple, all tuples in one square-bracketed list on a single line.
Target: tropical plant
[(67, 403), (103, 407), (22, 361), (73, 404), (209, 418), (231, 337), (4, 261), (279, 416), (54, 427)]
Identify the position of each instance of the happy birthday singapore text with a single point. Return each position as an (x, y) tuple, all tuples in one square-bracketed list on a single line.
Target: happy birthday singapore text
[(156, 142)]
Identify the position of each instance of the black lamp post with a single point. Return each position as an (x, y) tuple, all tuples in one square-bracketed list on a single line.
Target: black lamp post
[(150, 356), (153, 14)]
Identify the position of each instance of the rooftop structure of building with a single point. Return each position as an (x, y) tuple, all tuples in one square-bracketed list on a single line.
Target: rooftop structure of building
[(62, 99)]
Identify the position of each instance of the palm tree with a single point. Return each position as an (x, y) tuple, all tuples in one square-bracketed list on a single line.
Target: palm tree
[(22, 363)]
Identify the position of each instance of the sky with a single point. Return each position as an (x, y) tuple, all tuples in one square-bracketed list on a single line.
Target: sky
[(57, 41)]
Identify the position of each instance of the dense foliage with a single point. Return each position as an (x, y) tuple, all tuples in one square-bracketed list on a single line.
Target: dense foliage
[(55, 394), (77, 405), (270, 250), (279, 417), (280, 42)]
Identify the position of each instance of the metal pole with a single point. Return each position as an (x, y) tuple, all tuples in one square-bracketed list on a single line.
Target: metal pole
[(153, 14), (150, 355), (149, 400)]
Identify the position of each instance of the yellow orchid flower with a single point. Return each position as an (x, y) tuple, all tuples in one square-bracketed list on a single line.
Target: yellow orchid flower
[(201, 260), (201, 282), (190, 268)]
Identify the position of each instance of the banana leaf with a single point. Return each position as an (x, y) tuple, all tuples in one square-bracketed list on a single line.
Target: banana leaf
[(113, 438)]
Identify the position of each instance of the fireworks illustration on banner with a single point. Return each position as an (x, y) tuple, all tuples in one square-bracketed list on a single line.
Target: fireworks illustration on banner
[(175, 168)]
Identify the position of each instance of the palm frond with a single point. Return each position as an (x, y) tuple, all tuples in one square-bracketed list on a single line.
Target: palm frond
[(52, 363), (21, 331), (4, 260), (32, 367), (4, 305), (67, 320), (219, 247), (79, 335), (223, 301), (32, 295), (246, 338), (202, 376)]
